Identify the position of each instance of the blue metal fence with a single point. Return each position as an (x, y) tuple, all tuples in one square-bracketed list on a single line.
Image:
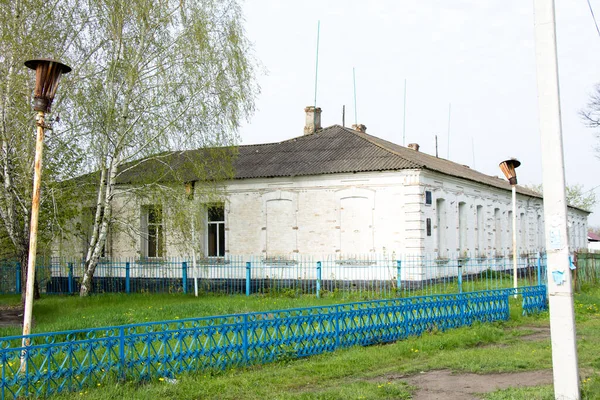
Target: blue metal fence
[(67, 361), (371, 275)]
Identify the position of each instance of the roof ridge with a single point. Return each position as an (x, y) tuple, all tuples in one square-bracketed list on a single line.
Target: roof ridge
[(374, 140), (365, 136), (303, 136)]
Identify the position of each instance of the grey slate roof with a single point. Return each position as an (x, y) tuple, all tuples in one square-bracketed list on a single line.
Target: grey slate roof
[(334, 149)]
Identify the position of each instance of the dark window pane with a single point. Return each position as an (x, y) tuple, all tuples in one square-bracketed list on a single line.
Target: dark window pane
[(212, 240), (155, 215), (427, 197), (428, 226), (152, 241), (221, 240), (159, 239), (216, 213)]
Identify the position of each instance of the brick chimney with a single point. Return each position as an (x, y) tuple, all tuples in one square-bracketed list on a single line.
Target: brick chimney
[(313, 120), (359, 127), (414, 146)]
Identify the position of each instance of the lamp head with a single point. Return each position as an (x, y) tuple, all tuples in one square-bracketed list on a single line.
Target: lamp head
[(189, 189), (47, 77), (508, 168)]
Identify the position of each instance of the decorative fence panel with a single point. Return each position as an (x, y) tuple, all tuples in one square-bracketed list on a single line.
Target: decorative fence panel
[(68, 361), (369, 275)]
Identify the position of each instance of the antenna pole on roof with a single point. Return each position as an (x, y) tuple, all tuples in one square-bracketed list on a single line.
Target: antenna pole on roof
[(404, 117), (354, 80), (317, 72), (436, 147), (449, 113), (344, 115)]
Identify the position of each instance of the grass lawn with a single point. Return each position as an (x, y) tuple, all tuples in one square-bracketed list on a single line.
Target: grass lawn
[(59, 313), (376, 372)]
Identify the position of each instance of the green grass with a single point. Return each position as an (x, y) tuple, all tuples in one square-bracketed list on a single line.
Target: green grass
[(361, 372), (59, 313)]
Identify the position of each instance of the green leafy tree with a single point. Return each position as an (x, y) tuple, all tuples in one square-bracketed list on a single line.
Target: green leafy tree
[(163, 76), (31, 29), (576, 195)]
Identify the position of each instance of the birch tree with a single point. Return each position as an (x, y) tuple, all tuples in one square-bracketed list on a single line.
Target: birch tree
[(575, 194), (165, 75), (30, 29)]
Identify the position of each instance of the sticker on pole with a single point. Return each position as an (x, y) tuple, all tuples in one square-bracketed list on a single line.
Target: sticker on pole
[(571, 265), (558, 277), (555, 239)]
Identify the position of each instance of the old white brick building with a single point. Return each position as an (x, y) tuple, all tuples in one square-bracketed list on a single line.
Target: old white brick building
[(338, 190)]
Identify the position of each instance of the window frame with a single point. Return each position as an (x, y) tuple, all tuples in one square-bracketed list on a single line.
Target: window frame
[(158, 226), (220, 238), (428, 198)]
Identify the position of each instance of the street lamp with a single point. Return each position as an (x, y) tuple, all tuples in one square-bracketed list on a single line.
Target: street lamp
[(508, 169), (47, 77)]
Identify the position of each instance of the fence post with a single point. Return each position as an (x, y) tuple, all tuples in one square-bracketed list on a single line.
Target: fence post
[(463, 310), (337, 327), (318, 279), (539, 269), (127, 287), (398, 274), (70, 278), (122, 352), (184, 276), (459, 278), (18, 282), (248, 276), (245, 339)]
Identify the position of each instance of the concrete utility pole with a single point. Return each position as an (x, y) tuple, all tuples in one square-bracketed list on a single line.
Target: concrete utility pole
[(562, 316)]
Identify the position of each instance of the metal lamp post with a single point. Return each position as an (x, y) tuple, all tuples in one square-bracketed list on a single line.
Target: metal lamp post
[(47, 78), (189, 191), (508, 168)]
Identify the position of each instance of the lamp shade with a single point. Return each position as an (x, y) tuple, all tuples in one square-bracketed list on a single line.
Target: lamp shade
[(508, 169), (189, 189), (47, 77)]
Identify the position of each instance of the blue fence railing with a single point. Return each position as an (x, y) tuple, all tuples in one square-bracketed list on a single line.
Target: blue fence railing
[(68, 361), (372, 275)]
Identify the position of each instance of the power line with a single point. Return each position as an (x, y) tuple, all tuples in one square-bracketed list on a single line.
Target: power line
[(594, 188), (593, 17)]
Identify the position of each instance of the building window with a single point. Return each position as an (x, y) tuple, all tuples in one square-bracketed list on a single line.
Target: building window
[(540, 233), (462, 227), (428, 224), (440, 206), (524, 233), (497, 230), (480, 245), (153, 231), (509, 231), (216, 230), (428, 200)]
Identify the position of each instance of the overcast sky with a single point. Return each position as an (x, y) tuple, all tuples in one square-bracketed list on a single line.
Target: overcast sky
[(476, 55)]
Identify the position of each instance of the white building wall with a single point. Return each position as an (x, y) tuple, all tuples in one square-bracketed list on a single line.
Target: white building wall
[(456, 190), (333, 214), (345, 214)]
